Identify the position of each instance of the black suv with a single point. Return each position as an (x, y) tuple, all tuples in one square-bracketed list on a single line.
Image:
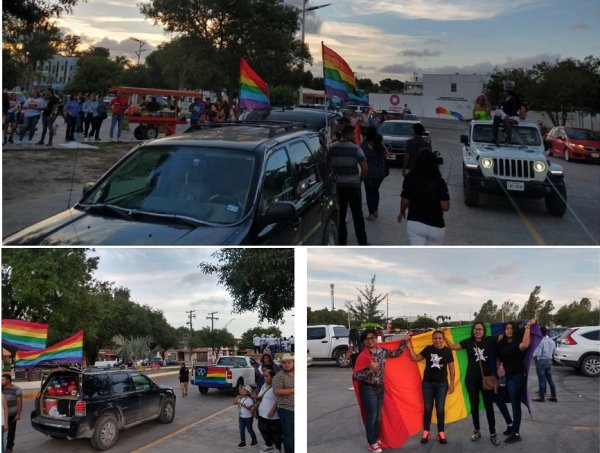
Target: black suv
[(96, 403), (251, 184)]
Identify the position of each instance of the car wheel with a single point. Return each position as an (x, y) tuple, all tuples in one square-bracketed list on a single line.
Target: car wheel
[(339, 359), (203, 390), (556, 201), (590, 366), (139, 132), (330, 237), (470, 193), (167, 411), (106, 433), (566, 154), (150, 133)]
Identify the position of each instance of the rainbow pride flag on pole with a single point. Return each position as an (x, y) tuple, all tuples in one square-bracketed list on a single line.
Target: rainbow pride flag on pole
[(402, 414), (254, 92), (24, 335), (66, 351), (339, 78)]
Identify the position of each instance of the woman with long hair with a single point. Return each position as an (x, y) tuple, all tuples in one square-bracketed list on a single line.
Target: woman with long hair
[(480, 350), (376, 153), (425, 196), (482, 109)]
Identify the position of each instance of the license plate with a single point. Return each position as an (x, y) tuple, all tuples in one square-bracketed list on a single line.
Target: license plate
[(595, 155), (515, 185)]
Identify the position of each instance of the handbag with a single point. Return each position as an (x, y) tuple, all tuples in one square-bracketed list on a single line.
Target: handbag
[(488, 382)]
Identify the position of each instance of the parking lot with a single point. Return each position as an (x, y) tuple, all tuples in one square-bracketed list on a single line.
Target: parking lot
[(571, 424)]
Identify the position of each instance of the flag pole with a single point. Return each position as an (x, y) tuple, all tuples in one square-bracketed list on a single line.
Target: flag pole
[(325, 109)]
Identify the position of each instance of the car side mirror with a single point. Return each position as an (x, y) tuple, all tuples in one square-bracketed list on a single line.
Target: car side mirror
[(279, 211), (464, 139), (87, 187)]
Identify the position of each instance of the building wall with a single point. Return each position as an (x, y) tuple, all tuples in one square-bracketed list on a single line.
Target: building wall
[(57, 72), (451, 96)]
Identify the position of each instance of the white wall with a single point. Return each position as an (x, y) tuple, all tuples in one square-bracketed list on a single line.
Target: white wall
[(452, 93)]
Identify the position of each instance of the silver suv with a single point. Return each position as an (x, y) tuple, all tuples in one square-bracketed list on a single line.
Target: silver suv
[(579, 347)]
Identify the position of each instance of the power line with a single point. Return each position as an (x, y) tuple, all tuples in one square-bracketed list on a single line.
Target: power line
[(191, 315), (212, 319)]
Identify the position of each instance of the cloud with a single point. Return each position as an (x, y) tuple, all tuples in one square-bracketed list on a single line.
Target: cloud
[(430, 41), (420, 53), (579, 26)]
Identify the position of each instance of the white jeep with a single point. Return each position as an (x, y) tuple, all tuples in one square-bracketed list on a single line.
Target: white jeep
[(517, 167)]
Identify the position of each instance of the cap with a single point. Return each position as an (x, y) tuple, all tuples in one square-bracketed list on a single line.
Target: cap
[(247, 387), (287, 357)]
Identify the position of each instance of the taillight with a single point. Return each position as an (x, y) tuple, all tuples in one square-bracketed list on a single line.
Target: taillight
[(568, 339), (229, 374), (80, 408)]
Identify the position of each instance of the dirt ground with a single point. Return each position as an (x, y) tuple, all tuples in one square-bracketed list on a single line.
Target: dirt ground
[(40, 182)]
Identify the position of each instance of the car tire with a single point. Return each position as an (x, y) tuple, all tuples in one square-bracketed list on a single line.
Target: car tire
[(203, 390), (470, 193), (151, 133), (167, 411), (330, 236), (590, 366), (566, 155), (556, 201), (339, 359), (139, 132), (106, 433)]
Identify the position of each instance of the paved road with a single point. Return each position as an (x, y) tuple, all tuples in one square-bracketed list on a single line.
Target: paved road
[(572, 424), (203, 423)]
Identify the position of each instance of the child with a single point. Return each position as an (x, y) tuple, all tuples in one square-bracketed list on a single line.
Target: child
[(245, 402)]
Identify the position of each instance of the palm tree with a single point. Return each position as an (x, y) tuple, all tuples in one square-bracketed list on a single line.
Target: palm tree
[(134, 349)]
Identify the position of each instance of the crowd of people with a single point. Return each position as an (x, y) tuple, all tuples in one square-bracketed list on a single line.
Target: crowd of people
[(272, 344), (501, 381)]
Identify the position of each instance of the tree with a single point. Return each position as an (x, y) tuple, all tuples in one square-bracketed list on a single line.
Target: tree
[(365, 308), (69, 46), (96, 74), (508, 311), (544, 316), (222, 30), (283, 95), (326, 316), (249, 335), (257, 279), (533, 304), (487, 313), (577, 314), (391, 86), (424, 322), (442, 318), (215, 338), (134, 349)]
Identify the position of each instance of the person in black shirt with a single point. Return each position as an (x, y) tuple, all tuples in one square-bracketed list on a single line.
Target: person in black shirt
[(435, 382), (511, 349), (480, 351), (425, 195), (184, 377), (49, 114)]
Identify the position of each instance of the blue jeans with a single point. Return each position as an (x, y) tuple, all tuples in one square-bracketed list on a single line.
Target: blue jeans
[(372, 399), (372, 193), (246, 424), (287, 426), (543, 368), (29, 123), (501, 398), (514, 386), (47, 125), (434, 391), (118, 120)]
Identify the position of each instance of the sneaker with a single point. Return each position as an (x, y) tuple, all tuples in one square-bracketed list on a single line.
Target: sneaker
[(494, 439), (508, 430), (538, 400), (553, 398), (514, 437), (441, 438), (375, 448), (241, 444), (267, 450), (476, 435), (254, 443), (425, 437)]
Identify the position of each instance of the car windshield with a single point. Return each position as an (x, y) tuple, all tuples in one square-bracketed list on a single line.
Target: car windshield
[(203, 184), (583, 134), (527, 136), (390, 128)]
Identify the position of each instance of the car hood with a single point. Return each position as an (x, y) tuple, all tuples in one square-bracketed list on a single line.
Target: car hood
[(75, 227)]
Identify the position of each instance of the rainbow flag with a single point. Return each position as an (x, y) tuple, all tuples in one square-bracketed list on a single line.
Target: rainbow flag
[(211, 376), (254, 92), (445, 111), (402, 414), (67, 351), (339, 78), (24, 335)]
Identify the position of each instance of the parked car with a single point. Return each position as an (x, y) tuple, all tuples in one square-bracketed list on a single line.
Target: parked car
[(395, 135), (258, 184), (153, 361), (96, 403), (554, 333), (328, 342), (172, 362), (573, 143), (579, 347)]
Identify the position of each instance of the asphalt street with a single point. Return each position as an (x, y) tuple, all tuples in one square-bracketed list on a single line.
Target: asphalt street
[(572, 424)]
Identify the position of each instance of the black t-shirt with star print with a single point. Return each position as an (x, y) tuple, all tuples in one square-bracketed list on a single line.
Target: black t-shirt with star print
[(486, 351), (436, 363)]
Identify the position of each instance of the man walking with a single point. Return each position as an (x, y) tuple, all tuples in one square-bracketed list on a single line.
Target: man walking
[(283, 388), (184, 378), (350, 167), (14, 398), (543, 366)]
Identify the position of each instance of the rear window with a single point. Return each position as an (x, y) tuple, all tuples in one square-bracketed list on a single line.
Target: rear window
[(389, 128), (315, 333), (593, 335)]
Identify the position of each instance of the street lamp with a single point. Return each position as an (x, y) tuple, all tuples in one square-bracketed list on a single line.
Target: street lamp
[(140, 48), (304, 10)]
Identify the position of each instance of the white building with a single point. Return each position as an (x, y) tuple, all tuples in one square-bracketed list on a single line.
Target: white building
[(57, 72)]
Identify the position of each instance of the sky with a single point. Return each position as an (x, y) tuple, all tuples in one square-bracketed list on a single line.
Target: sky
[(169, 279), (453, 282), (394, 38)]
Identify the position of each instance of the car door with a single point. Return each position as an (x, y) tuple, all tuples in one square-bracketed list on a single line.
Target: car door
[(148, 396), (278, 185), (317, 342), (125, 397)]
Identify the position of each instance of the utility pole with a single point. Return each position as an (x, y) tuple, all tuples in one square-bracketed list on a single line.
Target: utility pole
[(332, 294), (141, 49), (212, 319), (191, 315)]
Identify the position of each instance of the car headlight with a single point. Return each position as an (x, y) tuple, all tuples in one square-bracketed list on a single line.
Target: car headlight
[(539, 166), (579, 146), (487, 162)]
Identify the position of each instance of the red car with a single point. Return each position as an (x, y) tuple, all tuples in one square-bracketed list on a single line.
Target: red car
[(573, 143)]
